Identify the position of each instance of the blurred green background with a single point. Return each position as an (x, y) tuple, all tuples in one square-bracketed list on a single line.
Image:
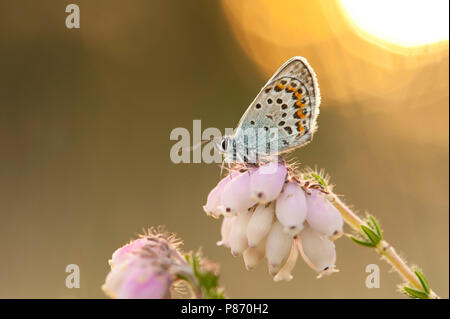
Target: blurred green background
[(85, 118)]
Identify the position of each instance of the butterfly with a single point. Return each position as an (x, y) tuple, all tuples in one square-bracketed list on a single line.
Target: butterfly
[(280, 119)]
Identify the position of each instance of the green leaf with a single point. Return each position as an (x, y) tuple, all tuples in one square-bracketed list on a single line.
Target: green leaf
[(218, 295), (188, 258), (413, 293), (423, 281), (377, 226), (215, 294), (319, 179), (195, 265), (209, 280), (371, 234), (363, 243)]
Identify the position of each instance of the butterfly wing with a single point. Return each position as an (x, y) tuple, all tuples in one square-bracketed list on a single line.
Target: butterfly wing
[(288, 102)]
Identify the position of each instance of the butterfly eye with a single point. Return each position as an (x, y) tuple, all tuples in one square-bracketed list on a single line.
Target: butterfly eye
[(224, 145)]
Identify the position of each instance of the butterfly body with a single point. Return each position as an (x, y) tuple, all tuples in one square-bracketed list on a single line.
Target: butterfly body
[(281, 118)]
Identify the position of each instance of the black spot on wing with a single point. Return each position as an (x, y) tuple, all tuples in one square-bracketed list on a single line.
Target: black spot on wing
[(288, 129)]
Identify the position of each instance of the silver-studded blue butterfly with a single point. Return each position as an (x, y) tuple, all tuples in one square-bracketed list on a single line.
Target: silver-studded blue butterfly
[(281, 118)]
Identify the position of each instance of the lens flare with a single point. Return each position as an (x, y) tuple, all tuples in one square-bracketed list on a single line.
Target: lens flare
[(408, 23)]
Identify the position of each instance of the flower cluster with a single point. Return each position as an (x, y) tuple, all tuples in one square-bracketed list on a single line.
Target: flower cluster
[(154, 267), (269, 211), (146, 268)]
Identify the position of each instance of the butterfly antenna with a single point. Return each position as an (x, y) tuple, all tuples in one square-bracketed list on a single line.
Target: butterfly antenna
[(193, 147)]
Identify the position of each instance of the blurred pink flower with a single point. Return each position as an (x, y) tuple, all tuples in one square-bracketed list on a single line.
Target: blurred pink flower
[(146, 268), (136, 279)]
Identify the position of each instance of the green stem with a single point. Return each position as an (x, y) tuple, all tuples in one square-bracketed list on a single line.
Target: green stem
[(382, 247)]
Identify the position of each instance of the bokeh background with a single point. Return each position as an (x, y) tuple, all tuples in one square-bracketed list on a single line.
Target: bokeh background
[(85, 118)]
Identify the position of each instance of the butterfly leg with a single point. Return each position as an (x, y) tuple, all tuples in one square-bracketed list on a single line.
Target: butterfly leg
[(241, 160), (221, 167)]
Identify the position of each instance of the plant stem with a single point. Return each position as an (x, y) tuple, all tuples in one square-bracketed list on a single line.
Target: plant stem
[(383, 247)]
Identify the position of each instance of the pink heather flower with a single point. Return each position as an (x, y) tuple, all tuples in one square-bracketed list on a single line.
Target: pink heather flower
[(238, 236), (136, 279), (270, 215), (291, 208), (126, 252), (235, 197), (146, 268), (260, 223), (253, 255), (322, 215), (266, 183), (318, 251), (285, 271), (213, 203), (225, 230), (278, 247)]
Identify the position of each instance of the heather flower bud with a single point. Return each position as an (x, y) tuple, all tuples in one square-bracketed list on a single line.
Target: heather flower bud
[(253, 255), (260, 223), (277, 247), (322, 215), (225, 230), (235, 197), (238, 237), (318, 251), (213, 203), (285, 271), (145, 268), (291, 208), (137, 280), (266, 183), (124, 253)]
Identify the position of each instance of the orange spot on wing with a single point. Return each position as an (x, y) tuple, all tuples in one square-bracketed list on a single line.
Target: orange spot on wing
[(281, 86), (300, 127), (300, 114)]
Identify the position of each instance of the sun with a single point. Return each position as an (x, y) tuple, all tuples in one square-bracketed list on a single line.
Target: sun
[(408, 23)]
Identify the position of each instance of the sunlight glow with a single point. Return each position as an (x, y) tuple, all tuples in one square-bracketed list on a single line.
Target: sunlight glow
[(406, 23)]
